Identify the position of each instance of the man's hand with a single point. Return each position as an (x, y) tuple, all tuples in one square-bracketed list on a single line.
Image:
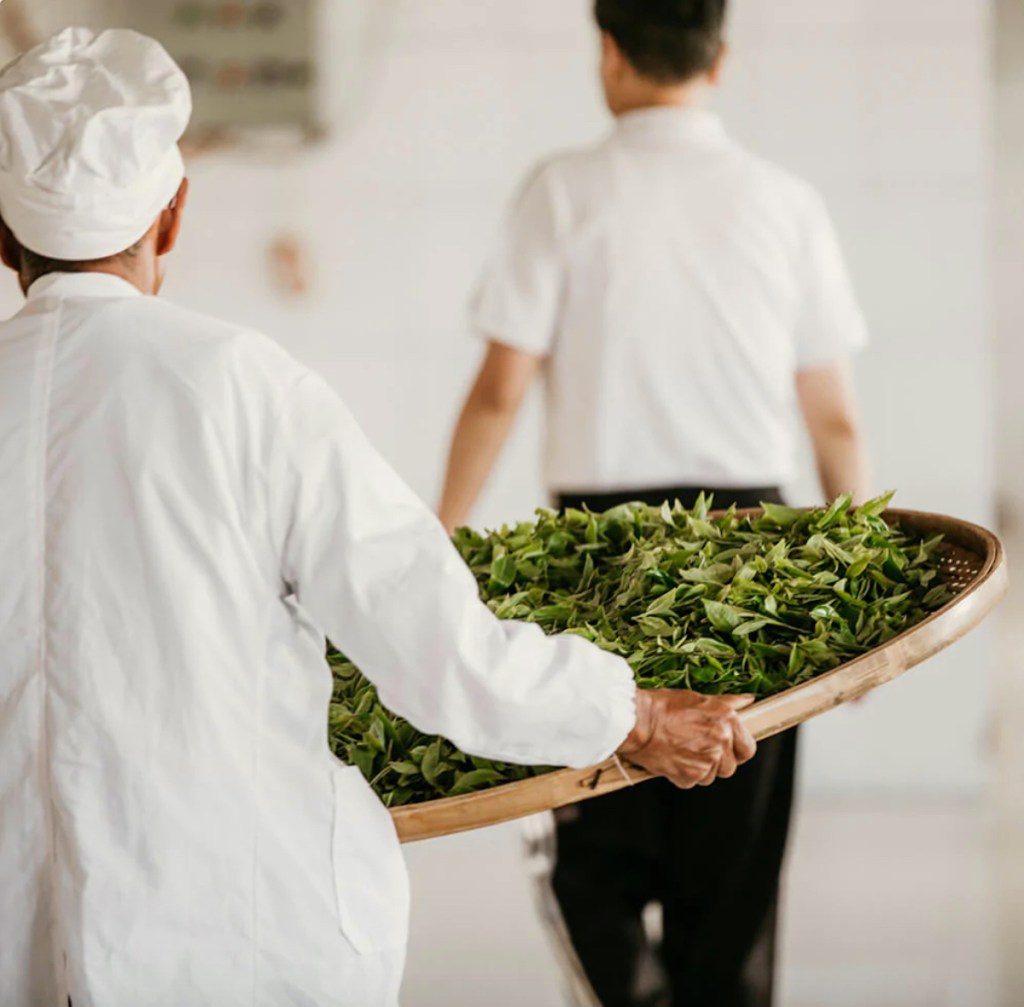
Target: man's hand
[(688, 738)]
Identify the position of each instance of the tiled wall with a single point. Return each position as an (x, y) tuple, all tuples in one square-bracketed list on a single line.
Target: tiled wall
[(883, 105)]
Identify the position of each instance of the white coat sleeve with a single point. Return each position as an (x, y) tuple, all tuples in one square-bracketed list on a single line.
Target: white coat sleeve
[(373, 567)]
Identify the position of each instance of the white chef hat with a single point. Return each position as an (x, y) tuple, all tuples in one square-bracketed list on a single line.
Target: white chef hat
[(89, 131)]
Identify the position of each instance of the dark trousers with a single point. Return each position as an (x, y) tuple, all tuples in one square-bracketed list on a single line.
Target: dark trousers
[(710, 856)]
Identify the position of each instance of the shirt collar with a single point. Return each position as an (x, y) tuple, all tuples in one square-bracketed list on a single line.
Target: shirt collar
[(81, 285), (672, 124)]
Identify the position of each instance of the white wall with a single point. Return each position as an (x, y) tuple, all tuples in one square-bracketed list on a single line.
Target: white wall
[(1009, 227), (1009, 219), (882, 105)]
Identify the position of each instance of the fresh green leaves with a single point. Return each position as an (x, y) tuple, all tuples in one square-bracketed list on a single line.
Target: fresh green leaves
[(725, 618), (503, 573), (781, 517), (714, 603)]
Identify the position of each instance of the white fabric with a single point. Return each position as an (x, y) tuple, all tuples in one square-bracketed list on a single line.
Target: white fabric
[(677, 284), (89, 130), (184, 512)]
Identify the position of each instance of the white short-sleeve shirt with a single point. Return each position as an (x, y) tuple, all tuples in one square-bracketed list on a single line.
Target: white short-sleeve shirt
[(676, 284)]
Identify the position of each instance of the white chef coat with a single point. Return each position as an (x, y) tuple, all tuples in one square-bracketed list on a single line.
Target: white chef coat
[(676, 283), (184, 512)]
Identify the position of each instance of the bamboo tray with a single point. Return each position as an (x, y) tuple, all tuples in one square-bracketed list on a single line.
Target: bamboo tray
[(972, 559)]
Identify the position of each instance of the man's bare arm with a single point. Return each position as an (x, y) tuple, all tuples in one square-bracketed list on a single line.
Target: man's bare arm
[(828, 402), (483, 428)]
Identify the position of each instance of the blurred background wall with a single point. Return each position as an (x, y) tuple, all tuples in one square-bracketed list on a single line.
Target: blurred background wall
[(1007, 787), (441, 106)]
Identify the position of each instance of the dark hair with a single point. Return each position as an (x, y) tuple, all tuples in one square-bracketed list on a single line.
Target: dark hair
[(35, 266), (668, 41)]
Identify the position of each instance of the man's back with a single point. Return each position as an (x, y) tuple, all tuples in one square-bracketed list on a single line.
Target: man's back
[(186, 512), (681, 298), (162, 794), (677, 283)]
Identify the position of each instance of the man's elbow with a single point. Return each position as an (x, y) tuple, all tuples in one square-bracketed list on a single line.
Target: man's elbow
[(840, 427), (831, 423), (498, 398)]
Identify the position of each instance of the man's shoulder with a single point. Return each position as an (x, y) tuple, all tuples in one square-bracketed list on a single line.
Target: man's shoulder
[(572, 179), (773, 180), (196, 339), (569, 164), (196, 356)]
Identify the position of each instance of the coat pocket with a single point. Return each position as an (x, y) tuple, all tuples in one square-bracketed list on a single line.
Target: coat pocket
[(370, 877)]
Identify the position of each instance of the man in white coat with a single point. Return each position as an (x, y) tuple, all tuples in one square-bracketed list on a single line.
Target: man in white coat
[(185, 514)]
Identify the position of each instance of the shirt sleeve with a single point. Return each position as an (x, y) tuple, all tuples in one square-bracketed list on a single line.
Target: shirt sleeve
[(373, 567), (518, 298), (830, 323)]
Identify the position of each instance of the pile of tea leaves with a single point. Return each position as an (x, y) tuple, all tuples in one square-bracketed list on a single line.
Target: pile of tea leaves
[(715, 603)]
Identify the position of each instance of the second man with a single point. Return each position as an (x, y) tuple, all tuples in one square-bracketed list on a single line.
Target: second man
[(683, 301)]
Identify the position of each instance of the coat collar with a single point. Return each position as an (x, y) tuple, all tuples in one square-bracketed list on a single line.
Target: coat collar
[(62, 285), (673, 124)]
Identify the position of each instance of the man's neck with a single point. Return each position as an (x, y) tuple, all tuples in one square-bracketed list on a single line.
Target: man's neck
[(136, 277), (137, 271), (683, 96)]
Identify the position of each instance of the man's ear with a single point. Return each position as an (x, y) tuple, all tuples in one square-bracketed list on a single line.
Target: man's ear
[(170, 221), (715, 73), (612, 58), (10, 250)]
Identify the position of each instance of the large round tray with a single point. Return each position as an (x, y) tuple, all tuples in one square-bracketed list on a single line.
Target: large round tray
[(973, 560)]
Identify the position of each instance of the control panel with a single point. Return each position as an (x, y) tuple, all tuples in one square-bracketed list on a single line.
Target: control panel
[(252, 63)]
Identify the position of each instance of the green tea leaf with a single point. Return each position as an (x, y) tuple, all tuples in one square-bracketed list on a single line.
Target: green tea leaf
[(876, 507), (662, 604), (503, 573), (433, 764), (782, 517), (404, 768), (465, 783), (724, 617)]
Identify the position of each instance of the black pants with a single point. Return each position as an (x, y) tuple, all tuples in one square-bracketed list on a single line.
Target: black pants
[(710, 856)]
